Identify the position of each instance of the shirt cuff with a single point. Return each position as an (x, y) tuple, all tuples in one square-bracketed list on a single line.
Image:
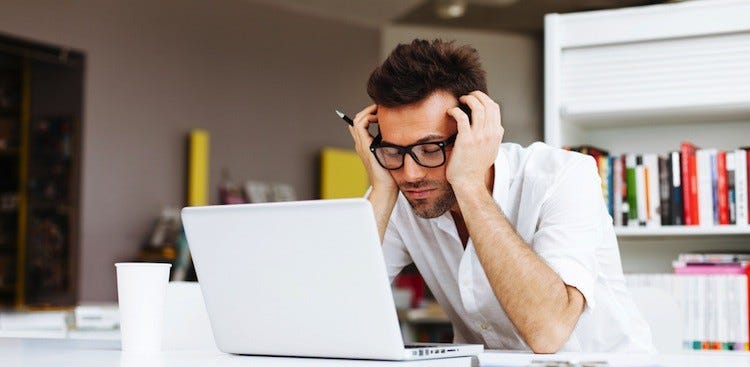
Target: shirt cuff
[(575, 275)]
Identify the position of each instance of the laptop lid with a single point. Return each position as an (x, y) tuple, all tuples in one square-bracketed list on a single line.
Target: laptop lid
[(295, 279)]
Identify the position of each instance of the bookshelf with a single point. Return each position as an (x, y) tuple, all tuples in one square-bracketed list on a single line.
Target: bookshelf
[(677, 231), (41, 89), (659, 75)]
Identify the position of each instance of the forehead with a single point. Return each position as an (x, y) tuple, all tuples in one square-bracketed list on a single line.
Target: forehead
[(403, 125)]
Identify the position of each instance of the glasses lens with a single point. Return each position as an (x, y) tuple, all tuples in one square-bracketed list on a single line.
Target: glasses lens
[(389, 157), (429, 155)]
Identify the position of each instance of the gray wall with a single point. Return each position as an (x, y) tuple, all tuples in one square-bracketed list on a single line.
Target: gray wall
[(263, 82)]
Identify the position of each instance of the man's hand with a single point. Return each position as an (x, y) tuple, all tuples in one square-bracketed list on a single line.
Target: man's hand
[(477, 142), (384, 188), (380, 178)]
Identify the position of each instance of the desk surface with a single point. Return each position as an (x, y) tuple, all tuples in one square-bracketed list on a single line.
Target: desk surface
[(85, 353)]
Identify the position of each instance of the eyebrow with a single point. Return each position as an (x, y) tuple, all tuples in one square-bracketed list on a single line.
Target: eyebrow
[(426, 139)]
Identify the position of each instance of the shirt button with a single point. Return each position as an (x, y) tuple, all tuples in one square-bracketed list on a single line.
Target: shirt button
[(485, 326), (466, 283)]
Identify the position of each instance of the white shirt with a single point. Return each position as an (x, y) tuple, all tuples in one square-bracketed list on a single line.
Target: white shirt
[(553, 199)]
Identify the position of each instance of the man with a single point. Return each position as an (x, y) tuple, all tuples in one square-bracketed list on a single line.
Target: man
[(515, 243)]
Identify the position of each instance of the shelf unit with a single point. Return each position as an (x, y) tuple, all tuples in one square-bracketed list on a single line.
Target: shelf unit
[(659, 75), (41, 99)]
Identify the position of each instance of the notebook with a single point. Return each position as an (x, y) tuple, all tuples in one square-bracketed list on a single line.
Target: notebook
[(303, 279)]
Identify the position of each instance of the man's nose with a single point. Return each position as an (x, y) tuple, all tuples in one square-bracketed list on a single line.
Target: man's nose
[(412, 170)]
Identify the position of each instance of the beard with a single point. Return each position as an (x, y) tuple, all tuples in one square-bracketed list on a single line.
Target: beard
[(430, 208)]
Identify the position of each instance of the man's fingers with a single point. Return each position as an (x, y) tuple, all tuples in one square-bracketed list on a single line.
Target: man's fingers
[(369, 110), (359, 132), (462, 121), (491, 108), (477, 109)]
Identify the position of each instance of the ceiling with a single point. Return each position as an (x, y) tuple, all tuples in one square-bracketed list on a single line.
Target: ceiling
[(524, 16)]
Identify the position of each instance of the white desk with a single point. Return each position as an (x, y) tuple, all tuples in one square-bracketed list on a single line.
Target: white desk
[(89, 353)]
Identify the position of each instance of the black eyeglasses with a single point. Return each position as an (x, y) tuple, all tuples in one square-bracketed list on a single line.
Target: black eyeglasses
[(430, 155)]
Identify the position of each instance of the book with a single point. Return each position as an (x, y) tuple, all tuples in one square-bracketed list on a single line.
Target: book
[(709, 269), (714, 187), (718, 257), (722, 189), (34, 320), (630, 168), (689, 183), (603, 165), (741, 187), (676, 197), (705, 186), (651, 164), (747, 173), (714, 306), (618, 193), (732, 195), (641, 192), (591, 150), (625, 207), (665, 189)]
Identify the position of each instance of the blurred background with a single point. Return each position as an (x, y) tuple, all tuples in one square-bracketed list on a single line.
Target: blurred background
[(98, 98)]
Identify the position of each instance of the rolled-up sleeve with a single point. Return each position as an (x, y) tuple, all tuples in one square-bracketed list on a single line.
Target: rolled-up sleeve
[(570, 227)]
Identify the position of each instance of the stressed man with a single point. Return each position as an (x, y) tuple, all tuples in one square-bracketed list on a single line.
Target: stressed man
[(515, 243)]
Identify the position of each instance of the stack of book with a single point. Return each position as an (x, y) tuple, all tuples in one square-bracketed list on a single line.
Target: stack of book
[(712, 291), (689, 186)]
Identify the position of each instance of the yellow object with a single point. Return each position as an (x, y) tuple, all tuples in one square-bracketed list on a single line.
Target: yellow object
[(198, 168), (342, 174)]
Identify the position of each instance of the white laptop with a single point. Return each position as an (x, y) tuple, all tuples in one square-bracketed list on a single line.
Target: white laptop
[(303, 278)]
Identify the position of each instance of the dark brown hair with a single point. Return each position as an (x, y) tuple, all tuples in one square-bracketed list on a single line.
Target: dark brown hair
[(414, 71)]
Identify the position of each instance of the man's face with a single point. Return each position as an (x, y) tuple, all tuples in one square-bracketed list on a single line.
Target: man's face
[(426, 189)]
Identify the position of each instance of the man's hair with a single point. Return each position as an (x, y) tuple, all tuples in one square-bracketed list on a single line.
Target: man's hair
[(414, 71)]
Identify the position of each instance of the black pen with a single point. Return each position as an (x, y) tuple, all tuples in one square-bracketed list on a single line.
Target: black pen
[(345, 118)]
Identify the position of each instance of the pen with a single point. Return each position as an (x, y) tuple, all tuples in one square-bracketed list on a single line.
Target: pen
[(345, 118)]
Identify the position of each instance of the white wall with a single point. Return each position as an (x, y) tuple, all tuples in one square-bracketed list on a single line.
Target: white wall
[(514, 72), (263, 82)]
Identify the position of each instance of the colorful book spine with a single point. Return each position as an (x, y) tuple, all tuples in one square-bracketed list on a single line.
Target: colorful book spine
[(714, 306), (705, 186), (689, 184), (709, 269), (641, 192), (678, 216), (611, 185), (692, 186), (741, 187), (731, 182), (722, 188), (651, 164), (602, 163), (617, 192), (630, 168), (665, 189), (714, 187)]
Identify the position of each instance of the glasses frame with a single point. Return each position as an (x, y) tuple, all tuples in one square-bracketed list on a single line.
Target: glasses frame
[(378, 143)]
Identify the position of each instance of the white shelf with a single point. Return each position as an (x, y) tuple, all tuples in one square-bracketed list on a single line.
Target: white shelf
[(726, 230), (665, 115), (643, 80)]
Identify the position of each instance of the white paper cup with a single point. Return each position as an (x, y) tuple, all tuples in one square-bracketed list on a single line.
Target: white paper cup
[(140, 293)]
